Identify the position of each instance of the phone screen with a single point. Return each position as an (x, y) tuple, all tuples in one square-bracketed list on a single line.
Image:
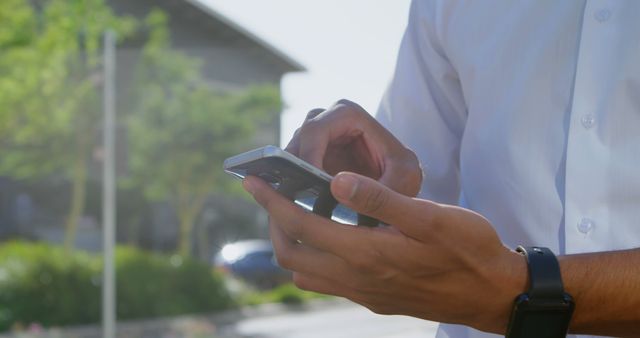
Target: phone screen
[(294, 182)]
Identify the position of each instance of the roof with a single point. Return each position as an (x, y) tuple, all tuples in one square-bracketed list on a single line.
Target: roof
[(207, 9)]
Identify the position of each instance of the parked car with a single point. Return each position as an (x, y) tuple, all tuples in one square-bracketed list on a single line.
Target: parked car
[(252, 261)]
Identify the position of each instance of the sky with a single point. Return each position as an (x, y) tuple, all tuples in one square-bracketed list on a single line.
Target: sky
[(348, 47)]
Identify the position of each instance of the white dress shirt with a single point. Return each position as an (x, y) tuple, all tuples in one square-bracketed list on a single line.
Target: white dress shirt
[(529, 113)]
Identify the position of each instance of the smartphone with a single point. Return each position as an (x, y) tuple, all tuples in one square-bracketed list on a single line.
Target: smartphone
[(296, 179)]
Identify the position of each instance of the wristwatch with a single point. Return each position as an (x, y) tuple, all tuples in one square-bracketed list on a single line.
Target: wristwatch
[(545, 310)]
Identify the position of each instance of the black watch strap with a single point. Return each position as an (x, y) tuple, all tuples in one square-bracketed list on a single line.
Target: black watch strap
[(544, 272), (545, 310)]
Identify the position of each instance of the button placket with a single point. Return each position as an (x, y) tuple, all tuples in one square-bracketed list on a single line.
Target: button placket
[(584, 162)]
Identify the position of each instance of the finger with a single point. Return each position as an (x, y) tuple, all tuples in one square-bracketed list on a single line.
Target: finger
[(313, 113), (312, 145), (309, 261), (343, 118), (369, 197), (318, 232), (298, 257), (294, 145)]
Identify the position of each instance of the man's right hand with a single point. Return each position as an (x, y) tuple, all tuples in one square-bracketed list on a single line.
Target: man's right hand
[(346, 138)]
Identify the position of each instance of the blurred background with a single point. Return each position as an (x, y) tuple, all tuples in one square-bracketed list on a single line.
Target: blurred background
[(194, 81)]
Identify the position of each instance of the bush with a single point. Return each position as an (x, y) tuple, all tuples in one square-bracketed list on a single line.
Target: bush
[(287, 294), (40, 283), (151, 285)]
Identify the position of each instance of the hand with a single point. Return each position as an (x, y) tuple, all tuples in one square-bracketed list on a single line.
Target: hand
[(346, 138), (436, 262)]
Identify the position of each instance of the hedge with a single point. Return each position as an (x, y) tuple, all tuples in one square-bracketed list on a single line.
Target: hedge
[(40, 283)]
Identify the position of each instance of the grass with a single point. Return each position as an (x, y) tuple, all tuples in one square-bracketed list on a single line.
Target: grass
[(286, 294)]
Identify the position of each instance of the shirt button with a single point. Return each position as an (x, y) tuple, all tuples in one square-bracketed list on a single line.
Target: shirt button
[(585, 225), (602, 15), (588, 121)]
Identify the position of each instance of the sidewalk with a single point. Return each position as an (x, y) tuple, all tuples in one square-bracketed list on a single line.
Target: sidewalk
[(243, 323), (345, 321)]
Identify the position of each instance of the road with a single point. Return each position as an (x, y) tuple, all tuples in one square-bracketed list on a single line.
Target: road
[(344, 320)]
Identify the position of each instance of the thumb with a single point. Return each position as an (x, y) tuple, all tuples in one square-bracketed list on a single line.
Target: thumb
[(368, 196)]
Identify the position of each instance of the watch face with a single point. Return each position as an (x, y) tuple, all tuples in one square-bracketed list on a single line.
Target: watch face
[(540, 319), (545, 325)]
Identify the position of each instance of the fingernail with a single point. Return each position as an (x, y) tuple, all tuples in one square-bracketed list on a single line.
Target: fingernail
[(248, 186), (346, 186)]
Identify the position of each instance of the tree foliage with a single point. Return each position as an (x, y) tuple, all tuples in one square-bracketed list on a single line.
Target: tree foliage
[(49, 82), (49, 90), (182, 129)]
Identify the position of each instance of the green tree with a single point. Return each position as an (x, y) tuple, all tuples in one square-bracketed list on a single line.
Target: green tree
[(181, 129), (50, 82)]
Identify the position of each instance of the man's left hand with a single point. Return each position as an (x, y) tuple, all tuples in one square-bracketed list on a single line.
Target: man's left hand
[(433, 261)]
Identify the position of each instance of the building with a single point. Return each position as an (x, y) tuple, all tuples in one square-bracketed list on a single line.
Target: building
[(233, 58)]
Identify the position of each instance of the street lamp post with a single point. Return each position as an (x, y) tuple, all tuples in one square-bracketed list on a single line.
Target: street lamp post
[(108, 190)]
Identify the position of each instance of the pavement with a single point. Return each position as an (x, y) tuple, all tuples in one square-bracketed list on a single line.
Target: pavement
[(331, 320)]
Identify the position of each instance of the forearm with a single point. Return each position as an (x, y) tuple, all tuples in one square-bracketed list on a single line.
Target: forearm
[(606, 290)]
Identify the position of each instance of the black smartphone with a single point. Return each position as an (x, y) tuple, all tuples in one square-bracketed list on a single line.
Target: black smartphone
[(297, 180)]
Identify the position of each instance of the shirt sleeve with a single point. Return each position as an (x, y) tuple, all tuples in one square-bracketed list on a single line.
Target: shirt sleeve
[(424, 105)]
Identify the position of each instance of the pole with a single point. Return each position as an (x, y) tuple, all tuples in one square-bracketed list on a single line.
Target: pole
[(108, 190)]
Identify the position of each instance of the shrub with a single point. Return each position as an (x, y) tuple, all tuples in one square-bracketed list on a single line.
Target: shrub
[(40, 283), (287, 294), (151, 285)]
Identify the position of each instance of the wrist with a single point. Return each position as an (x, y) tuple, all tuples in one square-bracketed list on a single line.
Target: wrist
[(511, 278)]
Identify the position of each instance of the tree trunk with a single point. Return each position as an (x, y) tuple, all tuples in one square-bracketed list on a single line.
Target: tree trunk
[(78, 193), (186, 226), (187, 216), (203, 242)]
